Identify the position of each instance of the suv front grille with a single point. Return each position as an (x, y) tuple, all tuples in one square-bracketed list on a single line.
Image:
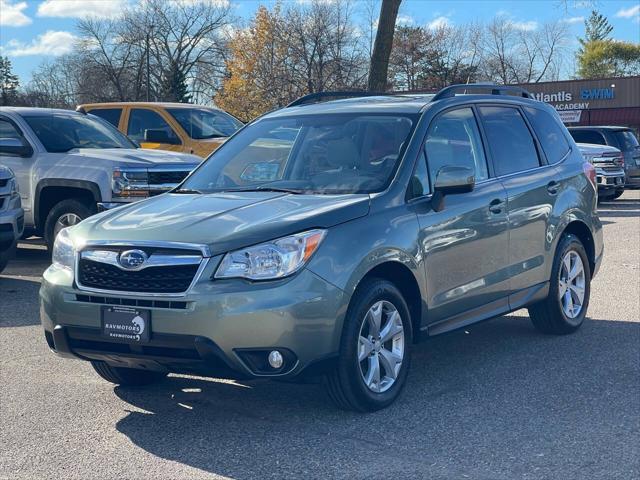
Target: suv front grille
[(170, 279), (166, 177), (166, 269)]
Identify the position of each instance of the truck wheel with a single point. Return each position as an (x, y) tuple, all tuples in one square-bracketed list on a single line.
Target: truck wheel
[(564, 310), (618, 193), (374, 349), (65, 214), (127, 376)]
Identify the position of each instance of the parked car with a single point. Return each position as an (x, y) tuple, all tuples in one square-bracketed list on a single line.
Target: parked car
[(621, 138), (609, 164), (381, 221), (11, 216), (69, 165), (180, 127)]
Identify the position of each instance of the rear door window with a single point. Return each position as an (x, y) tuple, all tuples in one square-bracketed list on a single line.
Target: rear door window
[(588, 136), (111, 115), (550, 134), (510, 140), (453, 139), (141, 119)]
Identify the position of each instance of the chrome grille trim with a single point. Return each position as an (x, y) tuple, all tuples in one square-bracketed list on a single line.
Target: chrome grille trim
[(95, 246)]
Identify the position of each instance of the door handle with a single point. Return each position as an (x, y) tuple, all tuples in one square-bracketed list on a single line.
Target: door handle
[(553, 187), (496, 205)]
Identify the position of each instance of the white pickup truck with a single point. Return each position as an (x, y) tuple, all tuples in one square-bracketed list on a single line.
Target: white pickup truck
[(70, 165)]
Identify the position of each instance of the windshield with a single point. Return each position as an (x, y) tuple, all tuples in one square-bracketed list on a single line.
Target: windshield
[(202, 123), (61, 132), (309, 154)]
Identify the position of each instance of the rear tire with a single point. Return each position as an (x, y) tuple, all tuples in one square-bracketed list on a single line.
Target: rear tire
[(354, 385), (558, 314), (127, 376), (71, 212)]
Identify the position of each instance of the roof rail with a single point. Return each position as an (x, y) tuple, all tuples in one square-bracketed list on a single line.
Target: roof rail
[(319, 96), (451, 90)]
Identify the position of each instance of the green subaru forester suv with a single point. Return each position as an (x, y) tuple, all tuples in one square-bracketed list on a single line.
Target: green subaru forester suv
[(326, 238)]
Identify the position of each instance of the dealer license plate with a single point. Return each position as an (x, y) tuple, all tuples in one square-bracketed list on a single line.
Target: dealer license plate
[(126, 324)]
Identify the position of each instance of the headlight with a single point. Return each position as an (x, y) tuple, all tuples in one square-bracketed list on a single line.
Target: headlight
[(271, 260), (127, 184), (13, 188), (64, 253)]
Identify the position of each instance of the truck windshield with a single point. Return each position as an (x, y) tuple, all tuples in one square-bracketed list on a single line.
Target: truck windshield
[(203, 123), (326, 154), (63, 132)]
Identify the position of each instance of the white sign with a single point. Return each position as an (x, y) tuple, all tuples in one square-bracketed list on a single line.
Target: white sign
[(570, 116)]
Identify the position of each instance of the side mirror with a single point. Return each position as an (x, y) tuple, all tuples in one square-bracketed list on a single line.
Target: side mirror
[(159, 136), (13, 146), (451, 180)]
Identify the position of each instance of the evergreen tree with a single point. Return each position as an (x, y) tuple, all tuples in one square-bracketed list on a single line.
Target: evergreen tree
[(8, 82), (596, 27)]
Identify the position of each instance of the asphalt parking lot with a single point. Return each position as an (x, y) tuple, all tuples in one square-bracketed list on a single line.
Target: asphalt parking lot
[(497, 401)]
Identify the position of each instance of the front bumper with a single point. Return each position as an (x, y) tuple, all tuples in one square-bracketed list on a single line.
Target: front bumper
[(11, 224), (608, 181), (217, 329)]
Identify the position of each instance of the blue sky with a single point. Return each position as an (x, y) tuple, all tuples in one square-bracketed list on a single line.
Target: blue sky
[(32, 31)]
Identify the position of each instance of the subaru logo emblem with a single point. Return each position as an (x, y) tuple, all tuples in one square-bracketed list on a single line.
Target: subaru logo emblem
[(132, 259)]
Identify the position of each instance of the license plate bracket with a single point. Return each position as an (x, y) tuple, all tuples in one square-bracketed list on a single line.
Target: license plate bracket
[(126, 324)]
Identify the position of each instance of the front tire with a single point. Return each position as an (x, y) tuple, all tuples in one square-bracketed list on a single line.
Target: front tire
[(565, 308), (374, 350), (618, 193), (128, 377), (65, 214)]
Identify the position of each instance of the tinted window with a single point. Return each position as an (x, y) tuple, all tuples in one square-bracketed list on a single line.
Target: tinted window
[(453, 139), (511, 142), (588, 136), (626, 139), (7, 130), (142, 119), (201, 123), (550, 133), (111, 115), (420, 178), (61, 133), (311, 154)]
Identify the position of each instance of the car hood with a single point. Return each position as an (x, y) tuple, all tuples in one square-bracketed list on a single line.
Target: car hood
[(222, 221), (134, 157), (593, 149)]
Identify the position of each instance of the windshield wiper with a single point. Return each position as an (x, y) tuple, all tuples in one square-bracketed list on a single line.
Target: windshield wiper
[(187, 191)]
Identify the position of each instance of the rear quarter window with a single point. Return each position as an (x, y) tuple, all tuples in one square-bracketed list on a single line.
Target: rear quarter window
[(550, 133)]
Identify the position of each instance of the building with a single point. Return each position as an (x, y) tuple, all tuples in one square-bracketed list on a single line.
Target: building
[(605, 101)]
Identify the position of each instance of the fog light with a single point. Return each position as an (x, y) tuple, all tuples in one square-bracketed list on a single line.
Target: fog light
[(275, 359)]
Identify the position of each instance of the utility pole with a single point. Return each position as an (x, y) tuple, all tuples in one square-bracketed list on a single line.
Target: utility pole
[(148, 65)]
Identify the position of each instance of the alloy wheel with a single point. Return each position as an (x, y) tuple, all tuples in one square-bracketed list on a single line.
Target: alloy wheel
[(381, 346), (571, 289), (66, 220)]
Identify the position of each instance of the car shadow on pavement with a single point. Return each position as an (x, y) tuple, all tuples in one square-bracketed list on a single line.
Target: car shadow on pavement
[(497, 400)]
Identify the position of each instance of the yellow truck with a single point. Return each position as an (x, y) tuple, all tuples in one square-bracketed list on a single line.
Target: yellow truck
[(180, 127)]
